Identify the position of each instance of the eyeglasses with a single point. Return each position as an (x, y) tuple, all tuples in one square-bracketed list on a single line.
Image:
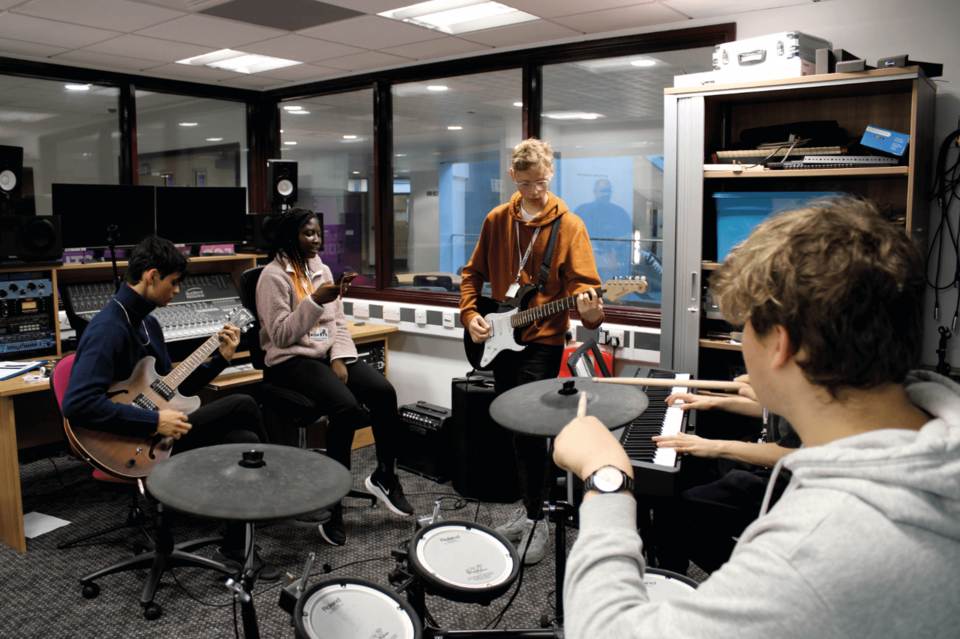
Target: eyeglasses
[(541, 185)]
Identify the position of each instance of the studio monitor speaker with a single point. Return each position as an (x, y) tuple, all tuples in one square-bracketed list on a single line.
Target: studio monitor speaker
[(30, 239), (11, 172), (281, 181)]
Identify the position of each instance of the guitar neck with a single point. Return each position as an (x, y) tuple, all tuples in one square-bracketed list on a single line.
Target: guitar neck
[(529, 316), (187, 366)]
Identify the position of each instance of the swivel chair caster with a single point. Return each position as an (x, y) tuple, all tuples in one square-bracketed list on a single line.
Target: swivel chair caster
[(152, 611), (90, 590)]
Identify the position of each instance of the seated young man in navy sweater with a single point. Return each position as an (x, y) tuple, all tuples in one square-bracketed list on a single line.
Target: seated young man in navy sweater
[(121, 335)]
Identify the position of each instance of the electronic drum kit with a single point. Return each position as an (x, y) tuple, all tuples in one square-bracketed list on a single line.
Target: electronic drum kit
[(461, 561)]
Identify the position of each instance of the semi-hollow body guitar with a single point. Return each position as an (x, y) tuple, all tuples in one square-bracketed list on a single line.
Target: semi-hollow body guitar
[(132, 457), (507, 319)]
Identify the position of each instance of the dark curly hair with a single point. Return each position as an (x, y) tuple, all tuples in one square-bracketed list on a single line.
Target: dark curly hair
[(155, 252), (286, 237), (845, 283)]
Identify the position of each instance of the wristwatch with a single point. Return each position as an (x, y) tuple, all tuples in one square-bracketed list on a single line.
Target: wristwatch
[(608, 479)]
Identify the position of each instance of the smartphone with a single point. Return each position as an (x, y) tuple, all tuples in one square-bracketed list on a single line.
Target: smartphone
[(344, 281)]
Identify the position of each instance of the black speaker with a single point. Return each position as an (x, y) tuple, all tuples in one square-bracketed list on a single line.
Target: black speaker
[(281, 181), (30, 239), (484, 462), (11, 172)]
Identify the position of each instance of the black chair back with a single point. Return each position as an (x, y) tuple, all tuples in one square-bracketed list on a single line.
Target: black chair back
[(248, 297), (581, 364)]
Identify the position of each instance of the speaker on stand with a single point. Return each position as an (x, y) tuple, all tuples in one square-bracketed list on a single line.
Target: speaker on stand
[(11, 177), (281, 183)]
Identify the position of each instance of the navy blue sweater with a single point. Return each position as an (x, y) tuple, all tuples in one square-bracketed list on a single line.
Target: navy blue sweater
[(108, 352)]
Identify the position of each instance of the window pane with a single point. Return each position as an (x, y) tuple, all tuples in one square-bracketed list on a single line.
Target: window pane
[(452, 167), (604, 119), (186, 141), (66, 136), (331, 139)]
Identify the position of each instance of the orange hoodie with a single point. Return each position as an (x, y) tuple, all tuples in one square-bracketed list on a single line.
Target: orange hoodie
[(496, 260)]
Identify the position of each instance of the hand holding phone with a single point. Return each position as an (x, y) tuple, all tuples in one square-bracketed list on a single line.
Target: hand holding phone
[(344, 281)]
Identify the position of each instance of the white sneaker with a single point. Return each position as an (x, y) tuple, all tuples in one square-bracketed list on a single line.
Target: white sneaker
[(515, 525), (538, 547)]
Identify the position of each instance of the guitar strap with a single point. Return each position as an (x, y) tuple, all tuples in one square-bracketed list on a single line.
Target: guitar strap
[(548, 256)]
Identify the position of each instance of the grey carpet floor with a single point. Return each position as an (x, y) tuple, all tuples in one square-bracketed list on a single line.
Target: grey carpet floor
[(40, 593)]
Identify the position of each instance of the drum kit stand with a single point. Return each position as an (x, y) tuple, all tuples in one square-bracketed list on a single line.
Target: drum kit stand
[(461, 561)]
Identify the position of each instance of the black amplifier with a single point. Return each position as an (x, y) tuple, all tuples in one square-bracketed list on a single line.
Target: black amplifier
[(28, 311), (423, 447), (374, 353), (423, 416)]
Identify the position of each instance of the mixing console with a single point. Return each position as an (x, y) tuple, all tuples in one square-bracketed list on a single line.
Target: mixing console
[(199, 309)]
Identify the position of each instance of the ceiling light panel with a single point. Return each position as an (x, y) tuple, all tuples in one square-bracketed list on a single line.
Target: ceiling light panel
[(459, 16)]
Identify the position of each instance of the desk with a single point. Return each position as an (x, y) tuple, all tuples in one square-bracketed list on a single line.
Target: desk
[(11, 504)]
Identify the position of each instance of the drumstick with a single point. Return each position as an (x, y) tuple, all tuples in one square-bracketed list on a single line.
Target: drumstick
[(582, 406), (687, 383)]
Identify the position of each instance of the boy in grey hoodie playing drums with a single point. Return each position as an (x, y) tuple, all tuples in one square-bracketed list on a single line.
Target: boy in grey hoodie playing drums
[(865, 541)]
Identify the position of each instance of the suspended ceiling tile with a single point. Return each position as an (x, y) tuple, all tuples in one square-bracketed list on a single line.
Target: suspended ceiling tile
[(186, 5), (363, 61), (623, 18), (29, 48), (372, 32), (436, 48), (529, 33), (301, 49), (254, 82), (302, 73), (557, 8), (210, 32), (187, 72), (373, 6), (119, 15), (712, 9), (289, 15), (30, 29), (105, 61), (149, 48)]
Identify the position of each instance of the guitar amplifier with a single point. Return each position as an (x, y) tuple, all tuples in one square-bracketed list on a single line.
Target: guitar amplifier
[(423, 448)]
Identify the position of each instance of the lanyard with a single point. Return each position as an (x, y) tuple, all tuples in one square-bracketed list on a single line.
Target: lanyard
[(523, 260)]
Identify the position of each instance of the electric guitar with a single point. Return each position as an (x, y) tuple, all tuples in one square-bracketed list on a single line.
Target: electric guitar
[(132, 457), (507, 319)]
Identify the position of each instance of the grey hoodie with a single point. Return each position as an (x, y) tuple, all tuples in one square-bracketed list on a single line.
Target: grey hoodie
[(865, 542)]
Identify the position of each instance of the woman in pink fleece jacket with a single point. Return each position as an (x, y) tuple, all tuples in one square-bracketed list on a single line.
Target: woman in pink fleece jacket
[(308, 349)]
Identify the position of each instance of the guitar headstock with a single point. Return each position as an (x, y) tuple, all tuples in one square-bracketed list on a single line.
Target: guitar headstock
[(615, 289), (242, 319)]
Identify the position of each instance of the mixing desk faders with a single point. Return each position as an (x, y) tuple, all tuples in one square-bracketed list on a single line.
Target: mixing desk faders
[(199, 309)]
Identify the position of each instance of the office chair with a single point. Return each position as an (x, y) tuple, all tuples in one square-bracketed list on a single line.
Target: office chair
[(158, 555), (287, 406), (581, 364)]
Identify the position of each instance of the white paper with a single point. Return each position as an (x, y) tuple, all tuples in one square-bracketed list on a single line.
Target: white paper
[(11, 369), (36, 524)]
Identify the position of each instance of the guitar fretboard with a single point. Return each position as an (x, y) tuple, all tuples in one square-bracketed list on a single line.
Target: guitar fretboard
[(531, 315), (187, 366)]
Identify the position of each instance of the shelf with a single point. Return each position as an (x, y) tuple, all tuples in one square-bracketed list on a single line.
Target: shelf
[(711, 266), (893, 171), (719, 345)]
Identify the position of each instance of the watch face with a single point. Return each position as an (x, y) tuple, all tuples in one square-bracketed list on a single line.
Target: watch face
[(608, 479)]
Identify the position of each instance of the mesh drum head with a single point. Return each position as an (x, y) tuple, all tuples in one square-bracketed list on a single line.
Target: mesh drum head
[(353, 609), (465, 556), (663, 585)]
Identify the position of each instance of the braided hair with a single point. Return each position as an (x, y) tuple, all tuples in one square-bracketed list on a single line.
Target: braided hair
[(286, 244)]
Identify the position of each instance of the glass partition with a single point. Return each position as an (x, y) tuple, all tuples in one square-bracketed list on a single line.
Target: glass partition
[(604, 119), (452, 140), (331, 139)]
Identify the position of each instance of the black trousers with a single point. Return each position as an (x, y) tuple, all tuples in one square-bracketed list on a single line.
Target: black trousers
[(315, 379), (721, 499), (512, 369), (232, 420)]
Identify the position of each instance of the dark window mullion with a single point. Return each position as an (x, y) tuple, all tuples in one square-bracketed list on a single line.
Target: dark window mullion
[(127, 107), (532, 99), (383, 180)]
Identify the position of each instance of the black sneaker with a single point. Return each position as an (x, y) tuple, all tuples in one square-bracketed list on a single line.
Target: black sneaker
[(387, 489), (234, 558), (332, 530)]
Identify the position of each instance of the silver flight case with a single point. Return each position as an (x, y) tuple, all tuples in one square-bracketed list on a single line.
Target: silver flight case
[(787, 54)]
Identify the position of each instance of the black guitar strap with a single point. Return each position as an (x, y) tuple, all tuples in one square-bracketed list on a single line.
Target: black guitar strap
[(548, 256)]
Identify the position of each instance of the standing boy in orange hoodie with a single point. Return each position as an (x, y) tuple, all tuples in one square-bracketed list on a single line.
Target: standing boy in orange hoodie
[(511, 248)]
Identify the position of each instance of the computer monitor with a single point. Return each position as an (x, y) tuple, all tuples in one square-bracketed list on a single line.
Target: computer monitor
[(86, 210), (195, 215)]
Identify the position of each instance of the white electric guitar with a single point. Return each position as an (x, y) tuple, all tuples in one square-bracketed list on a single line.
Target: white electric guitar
[(507, 319)]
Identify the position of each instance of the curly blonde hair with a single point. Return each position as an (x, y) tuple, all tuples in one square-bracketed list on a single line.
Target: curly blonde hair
[(845, 283), (532, 154)]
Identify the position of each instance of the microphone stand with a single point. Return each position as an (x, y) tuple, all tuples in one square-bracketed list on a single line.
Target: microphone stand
[(113, 256)]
